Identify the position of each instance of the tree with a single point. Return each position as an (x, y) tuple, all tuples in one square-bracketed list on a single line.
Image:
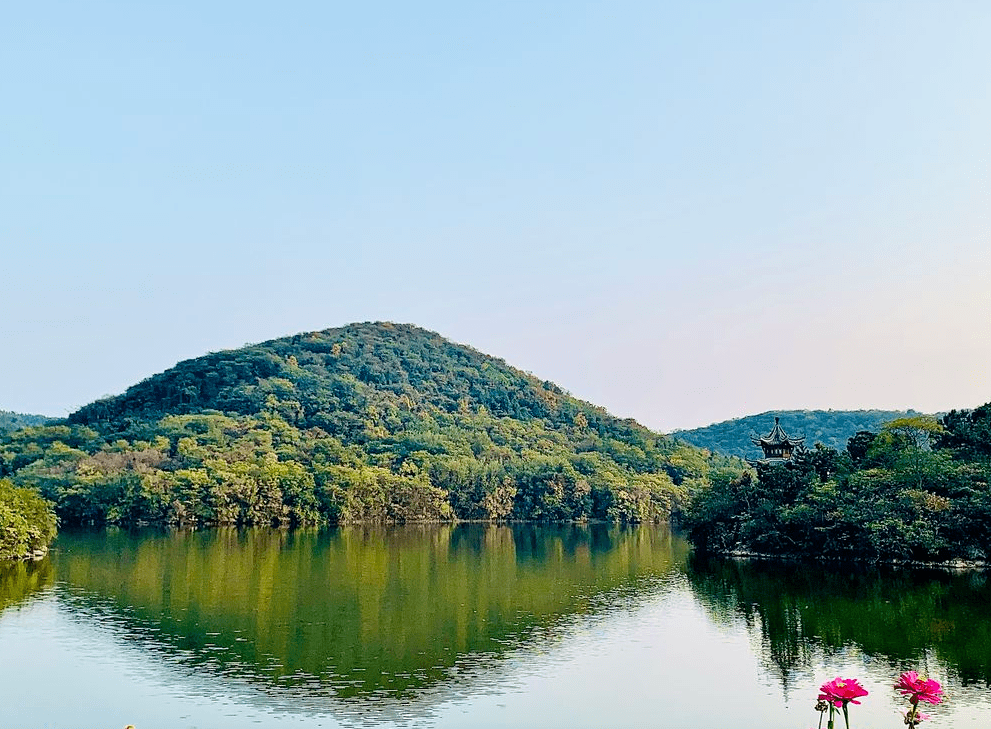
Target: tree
[(920, 430), (917, 433), (968, 432), (27, 522), (859, 445), (823, 460)]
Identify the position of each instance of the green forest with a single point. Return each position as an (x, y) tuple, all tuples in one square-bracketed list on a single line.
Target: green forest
[(918, 489), (369, 422), (832, 428)]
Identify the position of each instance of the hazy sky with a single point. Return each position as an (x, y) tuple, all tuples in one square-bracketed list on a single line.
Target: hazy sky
[(684, 212)]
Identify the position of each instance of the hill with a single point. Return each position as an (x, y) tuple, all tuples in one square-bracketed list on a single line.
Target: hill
[(12, 421), (368, 422), (918, 489), (832, 428)]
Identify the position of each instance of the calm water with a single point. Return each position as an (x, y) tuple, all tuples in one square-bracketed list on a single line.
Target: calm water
[(467, 626)]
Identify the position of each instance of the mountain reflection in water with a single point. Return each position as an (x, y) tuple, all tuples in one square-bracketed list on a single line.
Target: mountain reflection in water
[(441, 625), (354, 612)]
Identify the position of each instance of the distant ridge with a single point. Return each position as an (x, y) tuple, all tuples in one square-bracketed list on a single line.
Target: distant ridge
[(12, 421), (832, 428)]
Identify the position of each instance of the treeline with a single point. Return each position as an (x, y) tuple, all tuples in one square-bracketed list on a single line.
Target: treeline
[(832, 428), (212, 468), (371, 422), (918, 490)]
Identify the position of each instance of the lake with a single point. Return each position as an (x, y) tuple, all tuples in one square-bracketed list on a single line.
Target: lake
[(468, 626)]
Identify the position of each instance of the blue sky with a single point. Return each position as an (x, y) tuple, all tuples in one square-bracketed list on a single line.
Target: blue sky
[(684, 212)]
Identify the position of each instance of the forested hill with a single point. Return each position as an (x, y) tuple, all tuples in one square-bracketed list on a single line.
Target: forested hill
[(11, 421), (368, 422), (347, 381), (832, 428)]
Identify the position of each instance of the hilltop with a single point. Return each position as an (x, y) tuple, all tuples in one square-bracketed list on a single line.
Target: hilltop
[(832, 428), (367, 422)]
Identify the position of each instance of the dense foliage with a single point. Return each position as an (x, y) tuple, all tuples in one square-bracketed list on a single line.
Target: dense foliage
[(370, 422), (12, 421), (832, 428), (27, 521), (918, 489)]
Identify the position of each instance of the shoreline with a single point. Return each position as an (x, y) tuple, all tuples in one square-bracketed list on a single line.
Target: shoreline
[(949, 565), (35, 555)]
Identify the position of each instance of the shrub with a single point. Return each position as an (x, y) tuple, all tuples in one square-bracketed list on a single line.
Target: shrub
[(27, 521)]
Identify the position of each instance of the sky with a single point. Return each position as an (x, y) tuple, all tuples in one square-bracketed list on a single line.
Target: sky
[(683, 212)]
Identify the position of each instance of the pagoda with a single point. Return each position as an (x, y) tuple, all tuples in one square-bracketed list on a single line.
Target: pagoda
[(777, 445)]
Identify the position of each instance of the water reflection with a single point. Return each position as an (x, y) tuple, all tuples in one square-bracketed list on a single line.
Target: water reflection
[(904, 617), (449, 626), (20, 580), (361, 613)]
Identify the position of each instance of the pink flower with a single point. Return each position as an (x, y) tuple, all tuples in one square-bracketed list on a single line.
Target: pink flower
[(841, 691), (919, 689)]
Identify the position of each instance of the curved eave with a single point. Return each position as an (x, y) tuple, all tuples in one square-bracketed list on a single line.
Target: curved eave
[(768, 441), (768, 461)]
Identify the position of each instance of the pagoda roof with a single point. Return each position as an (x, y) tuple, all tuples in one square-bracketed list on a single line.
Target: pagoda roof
[(777, 437)]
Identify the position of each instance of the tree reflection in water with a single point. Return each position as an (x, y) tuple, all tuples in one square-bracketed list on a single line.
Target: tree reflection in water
[(20, 580), (902, 616), (356, 613)]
